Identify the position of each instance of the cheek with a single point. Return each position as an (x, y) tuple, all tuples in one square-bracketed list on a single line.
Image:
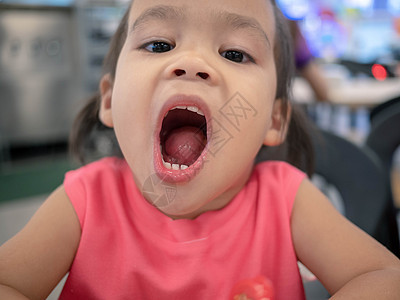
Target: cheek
[(130, 95), (131, 117), (255, 119), (260, 94), (125, 107)]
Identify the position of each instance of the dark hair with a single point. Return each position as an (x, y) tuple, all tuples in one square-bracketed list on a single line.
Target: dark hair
[(87, 121), (298, 147)]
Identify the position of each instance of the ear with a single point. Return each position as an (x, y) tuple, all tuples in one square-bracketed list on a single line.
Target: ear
[(277, 132), (106, 88)]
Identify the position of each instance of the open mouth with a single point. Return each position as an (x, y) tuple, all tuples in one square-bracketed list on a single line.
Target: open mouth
[(183, 137)]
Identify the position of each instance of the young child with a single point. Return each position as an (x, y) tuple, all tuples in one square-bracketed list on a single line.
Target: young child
[(192, 90)]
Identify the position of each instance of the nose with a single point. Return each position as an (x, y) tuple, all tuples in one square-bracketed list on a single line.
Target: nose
[(191, 66)]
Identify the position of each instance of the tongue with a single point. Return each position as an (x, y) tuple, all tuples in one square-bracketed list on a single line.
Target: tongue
[(184, 145)]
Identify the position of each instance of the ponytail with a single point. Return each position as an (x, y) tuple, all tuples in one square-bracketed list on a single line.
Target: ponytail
[(85, 122), (300, 150)]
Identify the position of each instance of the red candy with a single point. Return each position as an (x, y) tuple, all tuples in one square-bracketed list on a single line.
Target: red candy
[(259, 288)]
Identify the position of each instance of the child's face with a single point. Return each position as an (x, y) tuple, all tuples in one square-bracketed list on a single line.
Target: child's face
[(213, 56)]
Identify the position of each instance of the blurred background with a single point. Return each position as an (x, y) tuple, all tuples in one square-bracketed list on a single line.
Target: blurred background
[(51, 53)]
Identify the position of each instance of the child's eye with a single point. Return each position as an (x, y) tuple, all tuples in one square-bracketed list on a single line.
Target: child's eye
[(237, 56), (158, 47)]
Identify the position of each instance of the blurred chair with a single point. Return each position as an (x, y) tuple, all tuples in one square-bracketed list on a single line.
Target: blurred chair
[(358, 175), (384, 137), (384, 140)]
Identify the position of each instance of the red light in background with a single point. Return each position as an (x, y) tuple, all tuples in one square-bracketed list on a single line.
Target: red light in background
[(379, 72)]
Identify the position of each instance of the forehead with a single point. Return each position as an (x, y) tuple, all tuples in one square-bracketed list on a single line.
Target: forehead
[(257, 12)]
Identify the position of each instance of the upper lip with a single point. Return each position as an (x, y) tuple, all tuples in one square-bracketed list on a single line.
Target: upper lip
[(184, 100)]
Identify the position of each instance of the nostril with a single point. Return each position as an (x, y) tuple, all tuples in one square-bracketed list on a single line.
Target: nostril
[(180, 72), (203, 75)]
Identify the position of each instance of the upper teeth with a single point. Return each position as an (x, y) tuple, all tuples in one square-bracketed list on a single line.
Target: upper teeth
[(191, 108)]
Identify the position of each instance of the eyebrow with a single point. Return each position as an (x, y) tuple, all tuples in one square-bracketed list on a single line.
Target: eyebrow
[(160, 12), (165, 12), (237, 21)]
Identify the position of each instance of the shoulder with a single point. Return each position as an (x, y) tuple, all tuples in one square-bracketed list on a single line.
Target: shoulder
[(108, 169), (279, 171), (92, 185), (99, 167), (278, 182)]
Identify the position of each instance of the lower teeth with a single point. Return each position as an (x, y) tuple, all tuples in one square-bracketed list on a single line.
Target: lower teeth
[(175, 167)]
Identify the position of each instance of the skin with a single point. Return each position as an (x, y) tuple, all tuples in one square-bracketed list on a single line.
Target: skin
[(311, 72), (347, 261), (144, 81), (314, 76)]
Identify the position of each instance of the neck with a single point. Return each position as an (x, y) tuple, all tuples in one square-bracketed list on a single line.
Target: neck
[(219, 202)]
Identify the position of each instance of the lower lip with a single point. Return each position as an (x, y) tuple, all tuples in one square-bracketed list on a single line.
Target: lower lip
[(177, 176)]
